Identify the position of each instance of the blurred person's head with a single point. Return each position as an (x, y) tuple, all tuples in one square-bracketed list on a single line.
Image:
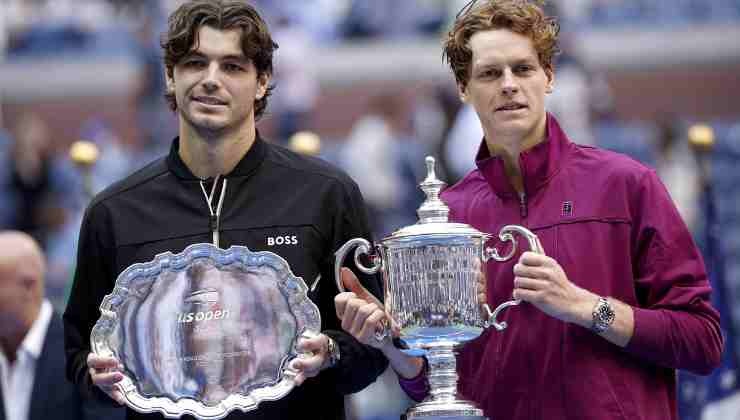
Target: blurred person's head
[(32, 136), (239, 44), (501, 53), (22, 268)]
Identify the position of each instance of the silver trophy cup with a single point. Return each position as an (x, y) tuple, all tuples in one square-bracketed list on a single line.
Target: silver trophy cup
[(430, 273)]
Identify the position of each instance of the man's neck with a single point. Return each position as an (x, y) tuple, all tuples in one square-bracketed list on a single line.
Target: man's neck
[(218, 155), (10, 344), (509, 148)]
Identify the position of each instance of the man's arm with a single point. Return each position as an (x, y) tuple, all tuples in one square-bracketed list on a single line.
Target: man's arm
[(359, 364), (674, 324), (91, 283)]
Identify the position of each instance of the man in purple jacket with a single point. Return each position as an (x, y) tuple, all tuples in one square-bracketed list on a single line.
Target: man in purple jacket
[(622, 298)]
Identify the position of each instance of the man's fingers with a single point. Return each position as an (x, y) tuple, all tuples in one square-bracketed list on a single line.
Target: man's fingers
[(310, 344), (117, 396), (530, 283), (527, 295), (534, 259), (106, 379), (309, 365), (363, 312), (352, 284), (371, 324), (350, 312), (102, 362), (340, 302)]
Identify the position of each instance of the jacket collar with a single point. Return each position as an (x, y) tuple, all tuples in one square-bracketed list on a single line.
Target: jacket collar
[(251, 160), (539, 164)]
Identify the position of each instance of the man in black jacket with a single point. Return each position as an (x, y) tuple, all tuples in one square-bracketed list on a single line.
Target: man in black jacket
[(218, 58)]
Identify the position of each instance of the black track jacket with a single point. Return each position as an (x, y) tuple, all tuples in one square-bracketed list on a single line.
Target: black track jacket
[(272, 193)]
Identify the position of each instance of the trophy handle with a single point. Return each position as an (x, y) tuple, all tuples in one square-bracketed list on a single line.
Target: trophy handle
[(506, 234), (363, 247)]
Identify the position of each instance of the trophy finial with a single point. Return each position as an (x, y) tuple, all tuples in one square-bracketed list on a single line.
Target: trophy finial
[(430, 167), (432, 210)]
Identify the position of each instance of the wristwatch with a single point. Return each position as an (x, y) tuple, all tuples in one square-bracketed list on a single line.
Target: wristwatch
[(603, 316), (332, 349)]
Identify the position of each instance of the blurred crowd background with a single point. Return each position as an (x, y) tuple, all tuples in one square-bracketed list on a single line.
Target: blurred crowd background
[(361, 83)]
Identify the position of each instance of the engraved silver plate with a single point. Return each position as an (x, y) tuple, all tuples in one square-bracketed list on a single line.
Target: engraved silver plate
[(205, 331)]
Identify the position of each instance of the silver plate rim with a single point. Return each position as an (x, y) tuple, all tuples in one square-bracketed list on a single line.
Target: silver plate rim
[(311, 325)]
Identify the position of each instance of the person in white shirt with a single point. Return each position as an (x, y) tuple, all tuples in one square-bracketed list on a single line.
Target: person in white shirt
[(32, 382)]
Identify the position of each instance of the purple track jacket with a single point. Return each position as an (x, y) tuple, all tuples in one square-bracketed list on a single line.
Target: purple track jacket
[(611, 224)]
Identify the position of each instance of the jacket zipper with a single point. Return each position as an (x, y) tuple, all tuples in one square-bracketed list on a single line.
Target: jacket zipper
[(523, 205), (214, 218)]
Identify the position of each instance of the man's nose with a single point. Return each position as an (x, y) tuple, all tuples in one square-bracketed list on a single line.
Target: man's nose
[(509, 85), (211, 80)]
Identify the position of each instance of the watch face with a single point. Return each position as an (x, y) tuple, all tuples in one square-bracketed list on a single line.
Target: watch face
[(605, 313)]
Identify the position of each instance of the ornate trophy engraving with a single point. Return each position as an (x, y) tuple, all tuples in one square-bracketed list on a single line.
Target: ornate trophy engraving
[(205, 331), (430, 272)]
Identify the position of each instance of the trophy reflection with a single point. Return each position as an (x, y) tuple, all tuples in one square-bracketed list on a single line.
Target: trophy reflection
[(430, 274)]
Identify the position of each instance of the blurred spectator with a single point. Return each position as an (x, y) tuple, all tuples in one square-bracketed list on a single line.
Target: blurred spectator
[(293, 102), (462, 143), (677, 168), (4, 33), (7, 203), (570, 101), (114, 163), (380, 156), (157, 124), (33, 385), (37, 211), (391, 18), (46, 27)]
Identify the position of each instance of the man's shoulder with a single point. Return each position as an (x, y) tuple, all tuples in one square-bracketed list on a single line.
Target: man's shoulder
[(599, 162), (470, 184), (136, 179), (308, 168)]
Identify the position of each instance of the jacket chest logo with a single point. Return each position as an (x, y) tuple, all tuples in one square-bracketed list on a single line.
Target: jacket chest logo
[(282, 240), (567, 209)]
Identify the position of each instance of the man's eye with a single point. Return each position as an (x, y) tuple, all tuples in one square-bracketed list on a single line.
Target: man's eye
[(523, 69), (233, 67), (193, 63), (489, 73)]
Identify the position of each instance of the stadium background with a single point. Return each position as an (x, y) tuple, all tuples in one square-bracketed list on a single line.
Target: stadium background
[(366, 79)]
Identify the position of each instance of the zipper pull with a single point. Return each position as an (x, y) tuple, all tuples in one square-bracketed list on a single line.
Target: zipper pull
[(213, 223), (523, 204)]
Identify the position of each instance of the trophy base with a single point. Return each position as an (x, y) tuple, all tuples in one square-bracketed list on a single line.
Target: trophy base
[(445, 410)]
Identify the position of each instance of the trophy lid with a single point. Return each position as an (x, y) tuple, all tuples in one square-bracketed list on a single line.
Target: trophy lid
[(433, 213)]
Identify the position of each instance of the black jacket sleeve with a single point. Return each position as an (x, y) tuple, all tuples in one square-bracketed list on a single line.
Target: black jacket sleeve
[(93, 279), (359, 364)]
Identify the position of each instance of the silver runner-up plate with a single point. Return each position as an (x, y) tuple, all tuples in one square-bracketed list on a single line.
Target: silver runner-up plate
[(205, 331)]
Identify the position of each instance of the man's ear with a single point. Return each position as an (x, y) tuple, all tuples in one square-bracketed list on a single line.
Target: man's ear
[(170, 82), (263, 82), (462, 92), (550, 80)]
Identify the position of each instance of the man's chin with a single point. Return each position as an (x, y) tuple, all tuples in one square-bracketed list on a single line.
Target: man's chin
[(210, 125)]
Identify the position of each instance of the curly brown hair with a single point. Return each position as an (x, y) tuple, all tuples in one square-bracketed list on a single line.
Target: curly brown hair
[(521, 16), (182, 36)]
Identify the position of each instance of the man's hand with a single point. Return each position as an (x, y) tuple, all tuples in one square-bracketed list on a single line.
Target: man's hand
[(361, 313), (314, 359), (105, 373), (541, 281)]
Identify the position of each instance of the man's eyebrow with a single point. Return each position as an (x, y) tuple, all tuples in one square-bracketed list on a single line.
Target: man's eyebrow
[(231, 57), (235, 57)]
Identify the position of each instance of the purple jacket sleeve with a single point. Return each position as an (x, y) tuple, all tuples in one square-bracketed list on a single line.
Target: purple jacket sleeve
[(675, 324), (417, 388)]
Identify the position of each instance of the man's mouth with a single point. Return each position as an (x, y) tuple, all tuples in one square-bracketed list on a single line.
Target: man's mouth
[(513, 106), (208, 100)]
